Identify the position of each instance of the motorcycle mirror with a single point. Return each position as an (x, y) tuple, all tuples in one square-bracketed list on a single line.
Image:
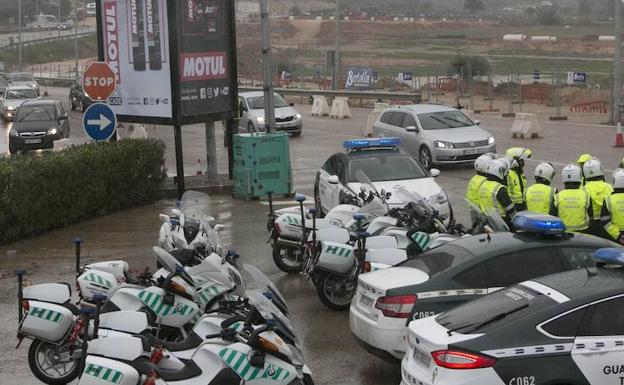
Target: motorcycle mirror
[(435, 172), (210, 220), (163, 218), (219, 228), (169, 299), (257, 359), (300, 198), (176, 212), (333, 179)]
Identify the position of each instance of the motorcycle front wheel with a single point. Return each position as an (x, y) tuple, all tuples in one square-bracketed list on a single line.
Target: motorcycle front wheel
[(288, 259), (52, 364), (335, 292)]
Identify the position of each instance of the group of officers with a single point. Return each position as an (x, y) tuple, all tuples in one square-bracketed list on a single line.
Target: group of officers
[(587, 204)]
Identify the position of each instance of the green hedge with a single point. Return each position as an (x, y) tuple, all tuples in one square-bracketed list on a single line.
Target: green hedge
[(43, 192)]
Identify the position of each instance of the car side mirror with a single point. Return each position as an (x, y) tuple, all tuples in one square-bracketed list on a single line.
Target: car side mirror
[(434, 172), (291, 104), (477, 122), (411, 129), (163, 218), (333, 179)]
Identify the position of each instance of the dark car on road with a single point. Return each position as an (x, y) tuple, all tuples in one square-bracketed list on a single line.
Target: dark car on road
[(37, 125), (78, 98)]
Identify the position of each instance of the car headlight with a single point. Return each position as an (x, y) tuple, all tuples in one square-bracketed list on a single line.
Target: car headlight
[(87, 95), (298, 116), (10, 108), (14, 133), (260, 119), (439, 198), (52, 131), (491, 140), (441, 144)]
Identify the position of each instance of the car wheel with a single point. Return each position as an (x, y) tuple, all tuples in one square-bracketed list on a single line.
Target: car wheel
[(317, 199), (296, 133), (424, 156), (250, 128)]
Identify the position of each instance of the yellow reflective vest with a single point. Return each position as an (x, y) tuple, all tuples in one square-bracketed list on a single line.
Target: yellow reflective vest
[(598, 191), (516, 187), (472, 193), (488, 199), (572, 206), (538, 198), (615, 206)]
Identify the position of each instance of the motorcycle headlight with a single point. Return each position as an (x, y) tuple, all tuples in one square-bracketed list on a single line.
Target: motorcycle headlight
[(441, 144), (491, 140), (260, 119), (296, 356), (52, 131)]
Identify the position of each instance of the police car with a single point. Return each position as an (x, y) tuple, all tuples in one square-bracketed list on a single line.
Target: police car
[(566, 328), (460, 271), (386, 166)]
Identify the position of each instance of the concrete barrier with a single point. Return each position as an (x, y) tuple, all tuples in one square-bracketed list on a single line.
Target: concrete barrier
[(340, 108), (320, 107), (372, 118), (526, 125)]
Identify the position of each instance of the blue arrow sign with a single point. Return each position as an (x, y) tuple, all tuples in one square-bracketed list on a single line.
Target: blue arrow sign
[(99, 121)]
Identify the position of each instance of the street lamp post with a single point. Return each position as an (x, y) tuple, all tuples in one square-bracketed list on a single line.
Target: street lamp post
[(336, 67), (19, 34), (267, 65), (617, 63)]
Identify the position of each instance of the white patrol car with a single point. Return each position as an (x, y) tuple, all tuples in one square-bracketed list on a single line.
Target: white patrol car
[(563, 329), (386, 166)]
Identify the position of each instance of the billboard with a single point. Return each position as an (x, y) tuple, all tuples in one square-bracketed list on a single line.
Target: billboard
[(359, 78), (175, 60), (134, 43)]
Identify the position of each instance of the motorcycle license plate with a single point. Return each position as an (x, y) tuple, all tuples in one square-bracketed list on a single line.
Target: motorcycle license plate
[(422, 357), (365, 301), (32, 141)]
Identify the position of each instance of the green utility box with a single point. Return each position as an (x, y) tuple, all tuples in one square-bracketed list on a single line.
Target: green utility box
[(261, 164)]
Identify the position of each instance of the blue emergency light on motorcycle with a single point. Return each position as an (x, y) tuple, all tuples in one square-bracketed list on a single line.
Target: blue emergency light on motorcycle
[(538, 224), (359, 144), (613, 256)]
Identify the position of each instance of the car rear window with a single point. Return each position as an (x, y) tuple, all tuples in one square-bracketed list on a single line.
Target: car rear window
[(439, 259), (495, 310)]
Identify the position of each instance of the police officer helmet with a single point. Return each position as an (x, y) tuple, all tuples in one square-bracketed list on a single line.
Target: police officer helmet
[(498, 168), (571, 174), (482, 162), (618, 178), (545, 171), (593, 168)]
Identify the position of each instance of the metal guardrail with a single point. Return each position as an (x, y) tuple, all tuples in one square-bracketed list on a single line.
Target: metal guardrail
[(48, 39), (361, 95)]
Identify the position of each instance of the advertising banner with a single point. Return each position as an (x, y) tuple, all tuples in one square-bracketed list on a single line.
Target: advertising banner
[(134, 42), (206, 58), (359, 78)]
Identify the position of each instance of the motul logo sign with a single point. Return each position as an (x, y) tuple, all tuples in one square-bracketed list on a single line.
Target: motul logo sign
[(203, 66), (111, 37)]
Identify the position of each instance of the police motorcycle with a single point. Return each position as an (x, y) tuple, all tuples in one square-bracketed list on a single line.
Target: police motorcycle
[(261, 349), (486, 222)]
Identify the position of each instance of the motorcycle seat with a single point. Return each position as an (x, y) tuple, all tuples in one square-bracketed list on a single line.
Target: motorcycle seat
[(191, 342), (145, 367), (71, 307)]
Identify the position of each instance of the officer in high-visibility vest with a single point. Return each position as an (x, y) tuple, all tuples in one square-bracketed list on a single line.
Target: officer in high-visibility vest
[(573, 204), (472, 192), (540, 196), (581, 162), (598, 191), (612, 216), (516, 181), (493, 192)]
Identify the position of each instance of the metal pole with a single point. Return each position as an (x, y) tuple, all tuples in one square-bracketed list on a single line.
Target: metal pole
[(617, 63), (267, 66), (211, 150), (20, 292), (76, 39), (77, 242), (177, 129), (336, 68), (19, 33)]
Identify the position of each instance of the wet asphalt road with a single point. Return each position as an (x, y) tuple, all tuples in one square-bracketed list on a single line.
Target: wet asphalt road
[(330, 350)]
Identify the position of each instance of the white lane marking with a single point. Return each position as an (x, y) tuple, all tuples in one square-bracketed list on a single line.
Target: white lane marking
[(547, 291)]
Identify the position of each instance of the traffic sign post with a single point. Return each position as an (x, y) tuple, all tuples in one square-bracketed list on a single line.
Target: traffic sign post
[(99, 81), (99, 122)]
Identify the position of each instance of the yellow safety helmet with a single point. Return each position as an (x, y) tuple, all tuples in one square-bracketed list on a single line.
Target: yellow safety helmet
[(584, 159), (517, 154)]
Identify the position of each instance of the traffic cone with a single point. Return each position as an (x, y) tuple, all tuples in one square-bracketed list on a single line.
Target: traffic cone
[(619, 137), (199, 167)]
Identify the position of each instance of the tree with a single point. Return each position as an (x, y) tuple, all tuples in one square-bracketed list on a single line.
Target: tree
[(547, 15), (469, 65), (296, 11), (474, 5)]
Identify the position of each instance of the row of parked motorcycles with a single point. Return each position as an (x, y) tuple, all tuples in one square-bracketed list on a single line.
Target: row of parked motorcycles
[(363, 235), (203, 318)]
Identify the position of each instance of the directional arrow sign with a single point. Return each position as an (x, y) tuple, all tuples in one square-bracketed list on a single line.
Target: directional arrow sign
[(99, 122)]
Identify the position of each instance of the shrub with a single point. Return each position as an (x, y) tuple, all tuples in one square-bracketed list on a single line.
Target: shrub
[(39, 193)]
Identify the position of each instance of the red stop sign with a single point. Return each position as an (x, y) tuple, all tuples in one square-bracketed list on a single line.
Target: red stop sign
[(99, 81)]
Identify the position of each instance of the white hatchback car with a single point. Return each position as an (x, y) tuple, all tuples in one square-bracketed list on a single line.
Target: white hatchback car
[(435, 134)]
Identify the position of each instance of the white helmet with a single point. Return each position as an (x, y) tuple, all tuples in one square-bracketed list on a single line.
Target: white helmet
[(498, 168), (571, 174), (618, 178), (545, 171), (482, 162), (592, 168)]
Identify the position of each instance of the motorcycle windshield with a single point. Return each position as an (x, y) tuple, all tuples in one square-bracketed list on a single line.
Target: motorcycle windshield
[(272, 315), (255, 280), (171, 264), (195, 205), (375, 207), (496, 222), (211, 235)]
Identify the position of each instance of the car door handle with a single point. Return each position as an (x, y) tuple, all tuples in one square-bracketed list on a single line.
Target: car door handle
[(595, 351)]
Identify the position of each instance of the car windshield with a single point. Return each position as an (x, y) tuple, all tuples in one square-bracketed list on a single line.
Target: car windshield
[(385, 167), (35, 114), (444, 119), (257, 103), (494, 310), (439, 259), (21, 94), (21, 77)]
